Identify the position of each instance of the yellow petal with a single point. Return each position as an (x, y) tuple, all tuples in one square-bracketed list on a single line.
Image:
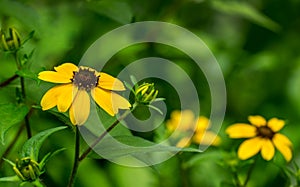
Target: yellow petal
[(241, 130), (80, 108), (250, 148), (108, 82), (257, 121), (54, 77), (109, 101), (50, 98), (267, 150), (283, 144), (66, 97), (209, 138), (67, 69), (202, 123), (275, 124), (119, 102), (72, 115), (184, 142)]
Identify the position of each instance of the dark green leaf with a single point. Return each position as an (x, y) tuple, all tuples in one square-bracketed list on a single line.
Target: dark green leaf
[(116, 10), (32, 146), (10, 114), (245, 10)]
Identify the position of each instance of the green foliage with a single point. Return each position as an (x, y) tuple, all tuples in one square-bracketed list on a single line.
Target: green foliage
[(256, 44), (10, 114), (32, 146), (245, 10)]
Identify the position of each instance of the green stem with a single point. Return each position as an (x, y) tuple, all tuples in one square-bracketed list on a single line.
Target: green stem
[(250, 172), (236, 178), (183, 173), (23, 92), (76, 158), (111, 127)]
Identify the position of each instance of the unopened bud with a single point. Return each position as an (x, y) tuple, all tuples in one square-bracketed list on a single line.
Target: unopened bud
[(27, 169), (11, 42), (145, 93)]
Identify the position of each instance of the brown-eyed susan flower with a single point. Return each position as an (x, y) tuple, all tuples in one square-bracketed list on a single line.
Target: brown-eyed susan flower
[(73, 92), (263, 136), (183, 122)]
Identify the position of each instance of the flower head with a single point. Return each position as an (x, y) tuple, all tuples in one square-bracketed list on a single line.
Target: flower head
[(263, 137), (12, 42), (73, 92), (184, 122)]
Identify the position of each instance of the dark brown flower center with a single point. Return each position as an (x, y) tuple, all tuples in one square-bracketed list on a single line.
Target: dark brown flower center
[(265, 132), (85, 78)]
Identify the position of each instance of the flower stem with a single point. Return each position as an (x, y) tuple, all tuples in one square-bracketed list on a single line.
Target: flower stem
[(23, 92), (111, 127), (9, 80), (249, 173), (76, 158)]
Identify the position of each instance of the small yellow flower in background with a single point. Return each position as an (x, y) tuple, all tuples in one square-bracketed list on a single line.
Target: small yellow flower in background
[(72, 93), (184, 121), (263, 137)]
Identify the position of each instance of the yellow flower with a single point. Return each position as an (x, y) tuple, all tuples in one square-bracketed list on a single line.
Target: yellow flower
[(72, 93), (263, 137), (184, 121)]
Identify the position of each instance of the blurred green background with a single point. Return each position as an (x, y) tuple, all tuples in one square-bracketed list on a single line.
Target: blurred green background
[(255, 42)]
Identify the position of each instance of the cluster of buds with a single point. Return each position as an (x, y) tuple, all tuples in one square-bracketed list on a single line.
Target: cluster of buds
[(27, 169), (12, 42), (145, 93)]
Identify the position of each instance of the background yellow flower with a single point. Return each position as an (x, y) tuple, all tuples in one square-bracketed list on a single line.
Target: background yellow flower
[(184, 122), (263, 137)]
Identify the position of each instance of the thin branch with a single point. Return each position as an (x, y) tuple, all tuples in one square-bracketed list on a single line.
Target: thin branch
[(8, 81), (113, 125)]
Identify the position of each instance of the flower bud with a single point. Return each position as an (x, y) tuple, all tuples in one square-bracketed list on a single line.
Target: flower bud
[(27, 169), (145, 93), (12, 42)]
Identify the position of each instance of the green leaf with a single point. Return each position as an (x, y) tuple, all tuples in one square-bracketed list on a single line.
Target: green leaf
[(120, 146), (32, 146), (48, 156), (14, 178), (28, 74), (116, 10), (245, 10), (10, 114)]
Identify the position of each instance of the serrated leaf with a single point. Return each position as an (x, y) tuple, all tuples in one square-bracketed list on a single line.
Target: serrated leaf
[(119, 146), (32, 146), (116, 10), (246, 11), (10, 114)]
